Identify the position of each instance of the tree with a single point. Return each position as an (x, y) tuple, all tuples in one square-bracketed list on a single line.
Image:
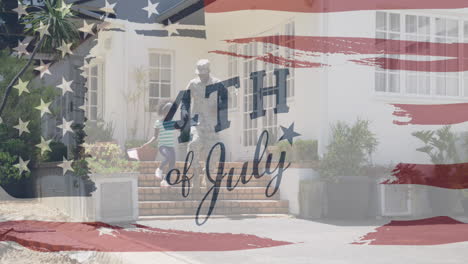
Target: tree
[(51, 26)]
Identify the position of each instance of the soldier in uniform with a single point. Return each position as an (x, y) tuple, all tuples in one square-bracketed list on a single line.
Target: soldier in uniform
[(203, 135)]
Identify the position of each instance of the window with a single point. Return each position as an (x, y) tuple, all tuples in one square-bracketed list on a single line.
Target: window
[(93, 102), (250, 125), (289, 33), (422, 29), (233, 71), (160, 78), (280, 34)]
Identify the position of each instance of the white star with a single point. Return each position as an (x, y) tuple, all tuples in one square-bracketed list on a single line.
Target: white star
[(22, 165), (108, 9), (171, 28), (22, 87), (151, 8), (87, 28), (65, 48), (42, 29), (44, 145), (66, 165), (21, 10), (43, 68), (44, 107), (65, 86), (21, 49), (84, 66), (106, 231), (64, 8), (22, 127), (83, 107), (66, 126)]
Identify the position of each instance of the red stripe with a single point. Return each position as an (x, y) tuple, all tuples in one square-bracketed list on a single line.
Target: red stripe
[(431, 231), (66, 236), (323, 6), (313, 46), (270, 58), (449, 176), (432, 114)]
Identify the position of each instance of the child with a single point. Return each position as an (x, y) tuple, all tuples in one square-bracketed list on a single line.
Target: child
[(164, 133)]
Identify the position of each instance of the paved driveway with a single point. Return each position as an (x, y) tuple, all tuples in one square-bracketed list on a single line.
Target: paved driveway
[(315, 242)]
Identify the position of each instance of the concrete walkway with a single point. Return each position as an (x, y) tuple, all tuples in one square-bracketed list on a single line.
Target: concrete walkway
[(316, 242)]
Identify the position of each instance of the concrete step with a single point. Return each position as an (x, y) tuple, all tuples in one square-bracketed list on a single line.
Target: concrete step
[(223, 207), (150, 166), (175, 194), (149, 180)]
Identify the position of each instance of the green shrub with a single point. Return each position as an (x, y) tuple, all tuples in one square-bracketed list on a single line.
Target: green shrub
[(58, 150), (108, 158), (350, 149), (8, 172), (99, 131)]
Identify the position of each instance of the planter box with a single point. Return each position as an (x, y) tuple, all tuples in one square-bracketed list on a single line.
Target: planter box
[(348, 197), (310, 199), (115, 199)]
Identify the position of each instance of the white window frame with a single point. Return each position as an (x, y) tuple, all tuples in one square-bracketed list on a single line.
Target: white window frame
[(233, 71), (251, 128), (422, 77), (156, 98), (98, 93)]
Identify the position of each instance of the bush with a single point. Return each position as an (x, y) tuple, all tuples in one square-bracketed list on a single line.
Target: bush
[(99, 131), (58, 150), (349, 151), (8, 171), (108, 158)]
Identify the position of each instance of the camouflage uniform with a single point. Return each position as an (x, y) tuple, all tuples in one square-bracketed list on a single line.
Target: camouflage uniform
[(203, 135)]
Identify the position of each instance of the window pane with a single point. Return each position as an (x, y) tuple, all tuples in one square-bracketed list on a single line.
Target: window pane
[(380, 81), (381, 21), (93, 98), (166, 75), (424, 25), (410, 24), (154, 60), (452, 28), (154, 75), (466, 87), (93, 113), (466, 29), (411, 83), (154, 90), (94, 70), (440, 89), (452, 84), (395, 22), (394, 83), (440, 26), (424, 84), (165, 90), (166, 60), (94, 84)]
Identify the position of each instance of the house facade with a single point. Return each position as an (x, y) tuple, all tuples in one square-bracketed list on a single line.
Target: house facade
[(130, 72)]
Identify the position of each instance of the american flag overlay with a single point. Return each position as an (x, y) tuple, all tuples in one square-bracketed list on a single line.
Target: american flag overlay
[(233, 131)]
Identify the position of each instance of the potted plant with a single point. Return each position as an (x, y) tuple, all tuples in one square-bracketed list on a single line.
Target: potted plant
[(301, 175), (116, 196), (348, 189), (440, 146)]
